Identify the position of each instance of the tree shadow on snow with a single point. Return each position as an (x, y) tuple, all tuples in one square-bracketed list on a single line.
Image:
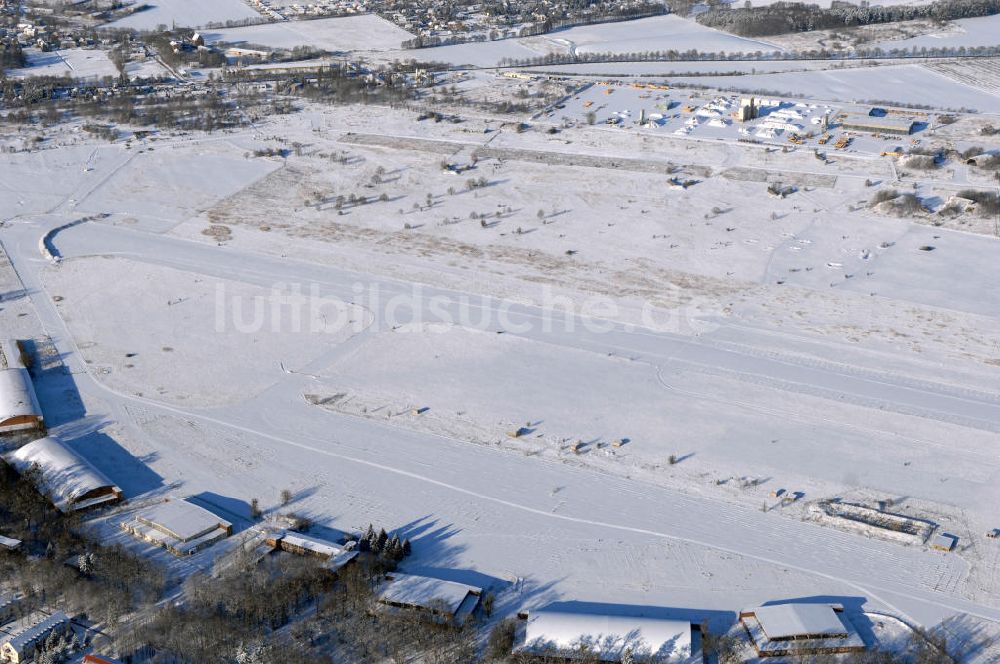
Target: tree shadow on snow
[(14, 295)]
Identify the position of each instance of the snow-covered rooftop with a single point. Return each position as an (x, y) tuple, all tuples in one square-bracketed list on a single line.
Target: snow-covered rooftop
[(179, 526), (10, 355), (800, 629), (335, 556), (607, 637), (428, 593), (790, 621), (9, 543), (20, 635), (312, 544), (19, 407), (180, 519), (67, 478)]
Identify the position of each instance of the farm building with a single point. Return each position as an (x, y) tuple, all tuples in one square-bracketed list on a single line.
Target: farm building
[(248, 54), (333, 556), (878, 125), (20, 639), (783, 630), (943, 542), (179, 526), (19, 409), (9, 543), (68, 479), (446, 600), (606, 638)]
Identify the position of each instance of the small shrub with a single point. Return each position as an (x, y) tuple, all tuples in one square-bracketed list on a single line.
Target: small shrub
[(501, 641), (987, 203), (923, 162), (884, 195)]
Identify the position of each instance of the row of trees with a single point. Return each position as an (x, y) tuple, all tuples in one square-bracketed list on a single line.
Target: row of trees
[(391, 548), (784, 17), (289, 609), (673, 55), (11, 55)]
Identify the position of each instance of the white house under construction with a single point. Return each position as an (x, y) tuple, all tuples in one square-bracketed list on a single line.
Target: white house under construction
[(68, 479), (19, 409)]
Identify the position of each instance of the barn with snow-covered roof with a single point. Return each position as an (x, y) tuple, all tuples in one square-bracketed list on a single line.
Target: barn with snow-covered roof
[(19, 409)]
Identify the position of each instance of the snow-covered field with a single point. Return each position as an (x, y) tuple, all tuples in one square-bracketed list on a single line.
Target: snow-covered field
[(163, 185), (905, 84), (186, 13), (968, 32), (134, 295), (656, 33), (148, 68), (350, 33), (484, 54), (75, 62), (275, 436), (661, 69), (734, 342)]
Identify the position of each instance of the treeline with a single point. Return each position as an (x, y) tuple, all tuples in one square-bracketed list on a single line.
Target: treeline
[(785, 17), (11, 55), (693, 55)]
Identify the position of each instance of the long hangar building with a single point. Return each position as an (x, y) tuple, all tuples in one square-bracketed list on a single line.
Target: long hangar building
[(878, 125)]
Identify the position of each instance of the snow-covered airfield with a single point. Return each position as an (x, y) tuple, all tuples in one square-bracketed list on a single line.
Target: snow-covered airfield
[(216, 332)]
